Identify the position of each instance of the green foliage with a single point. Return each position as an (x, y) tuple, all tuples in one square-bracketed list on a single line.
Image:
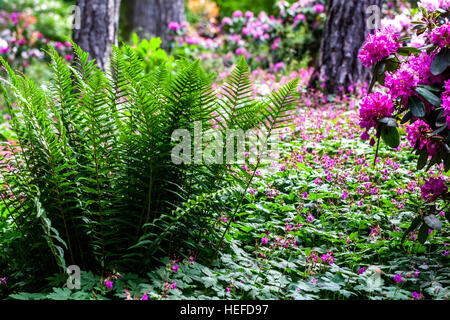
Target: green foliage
[(91, 177), (150, 52)]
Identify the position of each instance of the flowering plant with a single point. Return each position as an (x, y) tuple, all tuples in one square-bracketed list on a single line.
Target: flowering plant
[(273, 42), (416, 91), (21, 42)]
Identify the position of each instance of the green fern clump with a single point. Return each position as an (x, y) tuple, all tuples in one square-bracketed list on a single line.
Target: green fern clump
[(90, 179)]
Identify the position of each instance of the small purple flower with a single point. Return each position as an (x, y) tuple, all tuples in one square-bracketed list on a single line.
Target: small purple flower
[(109, 284), (398, 278), (361, 271), (173, 286), (3, 280), (264, 240), (416, 296), (175, 268), (145, 296), (310, 218)]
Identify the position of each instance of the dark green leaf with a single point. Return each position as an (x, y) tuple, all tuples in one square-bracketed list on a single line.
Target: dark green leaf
[(423, 234), (416, 106), (421, 163), (390, 136), (429, 96), (407, 117), (413, 226), (440, 62), (407, 51)]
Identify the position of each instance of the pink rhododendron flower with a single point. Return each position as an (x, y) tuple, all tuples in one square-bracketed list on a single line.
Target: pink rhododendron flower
[(418, 130), (446, 101), (318, 8), (227, 21), (174, 26), (379, 46), (433, 189), (441, 35), (237, 14), (374, 107), (432, 5)]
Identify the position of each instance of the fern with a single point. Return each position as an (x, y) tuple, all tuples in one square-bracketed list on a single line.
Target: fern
[(90, 178)]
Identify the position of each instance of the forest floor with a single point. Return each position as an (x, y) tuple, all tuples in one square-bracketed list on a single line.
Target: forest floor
[(323, 223)]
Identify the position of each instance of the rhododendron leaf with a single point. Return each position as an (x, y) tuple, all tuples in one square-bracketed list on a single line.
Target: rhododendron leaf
[(429, 96), (390, 136), (440, 62), (413, 226), (422, 159), (441, 129), (435, 159), (407, 117), (433, 222), (417, 107), (407, 51), (390, 122), (423, 234)]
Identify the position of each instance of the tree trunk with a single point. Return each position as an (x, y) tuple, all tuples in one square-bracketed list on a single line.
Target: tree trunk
[(99, 26), (152, 17), (345, 32)]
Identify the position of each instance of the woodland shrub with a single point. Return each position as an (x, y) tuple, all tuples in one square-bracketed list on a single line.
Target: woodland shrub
[(415, 90)]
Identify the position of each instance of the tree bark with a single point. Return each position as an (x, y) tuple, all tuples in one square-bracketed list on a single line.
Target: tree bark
[(152, 17), (345, 32), (99, 26)]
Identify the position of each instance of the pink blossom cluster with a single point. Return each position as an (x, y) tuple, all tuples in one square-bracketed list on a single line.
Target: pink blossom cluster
[(379, 46), (418, 130), (441, 35), (446, 101), (432, 5), (410, 74), (374, 107), (433, 189)]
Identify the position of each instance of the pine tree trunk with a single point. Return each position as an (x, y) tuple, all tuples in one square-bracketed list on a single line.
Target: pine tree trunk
[(152, 17), (99, 26), (345, 32)]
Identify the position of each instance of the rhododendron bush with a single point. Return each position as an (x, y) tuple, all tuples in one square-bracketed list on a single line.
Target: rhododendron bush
[(21, 42), (415, 90), (269, 41)]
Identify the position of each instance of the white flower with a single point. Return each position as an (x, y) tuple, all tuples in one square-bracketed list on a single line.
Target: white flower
[(3, 44)]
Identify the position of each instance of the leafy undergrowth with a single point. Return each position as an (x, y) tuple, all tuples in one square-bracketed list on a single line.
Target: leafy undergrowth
[(321, 223)]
